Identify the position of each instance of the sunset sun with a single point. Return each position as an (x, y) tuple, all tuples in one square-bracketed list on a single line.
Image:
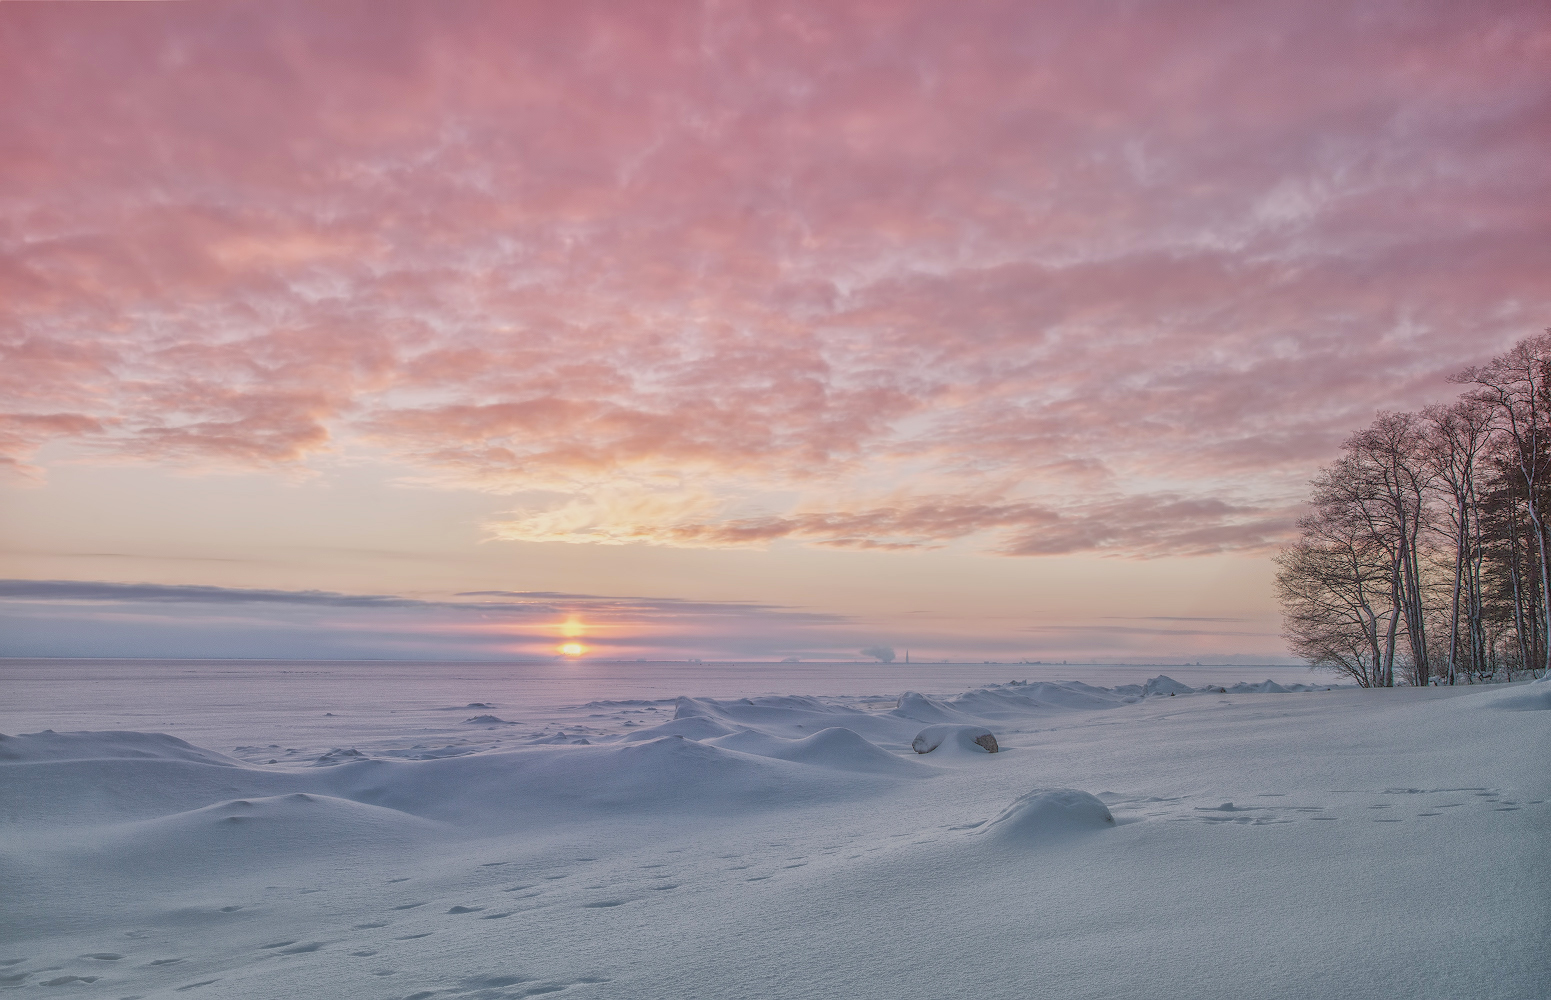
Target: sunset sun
[(571, 649)]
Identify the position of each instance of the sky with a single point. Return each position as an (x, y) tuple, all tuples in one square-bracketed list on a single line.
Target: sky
[(987, 330)]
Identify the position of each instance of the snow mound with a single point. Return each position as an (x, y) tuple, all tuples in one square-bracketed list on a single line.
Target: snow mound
[(669, 773), (549, 786), (1532, 697), (1048, 814), (338, 755), (51, 746), (488, 720), (275, 827), (1264, 687), (968, 739), (919, 708), (789, 716), (838, 748), (692, 727), (1166, 685), (90, 779), (1021, 698)]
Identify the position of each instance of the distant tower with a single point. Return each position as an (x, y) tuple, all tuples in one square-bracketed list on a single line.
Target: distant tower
[(907, 656)]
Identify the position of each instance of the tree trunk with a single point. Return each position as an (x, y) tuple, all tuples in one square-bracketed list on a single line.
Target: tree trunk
[(1545, 586), (1461, 540), (1518, 592), (1394, 621)]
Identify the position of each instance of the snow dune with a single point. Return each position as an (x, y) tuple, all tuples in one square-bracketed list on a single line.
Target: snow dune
[(1141, 840)]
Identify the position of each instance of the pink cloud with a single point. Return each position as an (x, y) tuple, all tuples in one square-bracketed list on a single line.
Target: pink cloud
[(1130, 272)]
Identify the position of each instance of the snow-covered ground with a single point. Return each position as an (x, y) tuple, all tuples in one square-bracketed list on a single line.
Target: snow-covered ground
[(479, 831)]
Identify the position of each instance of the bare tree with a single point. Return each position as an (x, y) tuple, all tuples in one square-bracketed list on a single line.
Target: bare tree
[(1435, 528), (1334, 585), (1510, 583), (1378, 492), (1456, 437), (1515, 385)]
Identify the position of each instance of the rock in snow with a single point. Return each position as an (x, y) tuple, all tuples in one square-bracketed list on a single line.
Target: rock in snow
[(971, 738)]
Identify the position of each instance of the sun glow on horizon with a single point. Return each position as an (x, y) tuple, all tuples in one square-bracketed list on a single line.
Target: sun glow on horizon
[(572, 649)]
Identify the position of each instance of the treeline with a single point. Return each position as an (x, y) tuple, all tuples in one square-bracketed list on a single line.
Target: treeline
[(1426, 557)]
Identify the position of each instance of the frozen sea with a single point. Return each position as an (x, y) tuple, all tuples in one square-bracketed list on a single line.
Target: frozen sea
[(225, 703), (604, 829)]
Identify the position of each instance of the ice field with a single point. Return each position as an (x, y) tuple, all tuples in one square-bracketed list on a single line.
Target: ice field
[(624, 830)]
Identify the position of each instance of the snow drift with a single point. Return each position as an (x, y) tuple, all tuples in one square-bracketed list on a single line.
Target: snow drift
[(1048, 814)]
